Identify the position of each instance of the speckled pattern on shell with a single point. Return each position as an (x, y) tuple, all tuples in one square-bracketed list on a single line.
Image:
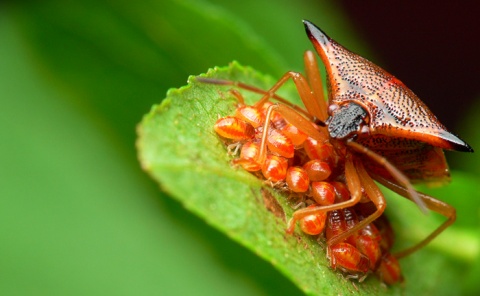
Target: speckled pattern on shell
[(394, 110), (389, 102)]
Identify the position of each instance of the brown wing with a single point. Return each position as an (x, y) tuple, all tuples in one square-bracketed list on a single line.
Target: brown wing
[(394, 110)]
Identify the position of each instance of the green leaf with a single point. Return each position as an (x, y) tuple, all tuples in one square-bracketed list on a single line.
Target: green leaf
[(179, 149)]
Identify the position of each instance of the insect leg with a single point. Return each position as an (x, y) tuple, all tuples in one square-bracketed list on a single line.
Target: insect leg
[(254, 90), (315, 82), (354, 186), (373, 193), (433, 204), (312, 98), (303, 88), (394, 172), (238, 96), (292, 116)]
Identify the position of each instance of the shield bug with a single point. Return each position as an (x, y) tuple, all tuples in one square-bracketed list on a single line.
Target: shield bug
[(374, 126)]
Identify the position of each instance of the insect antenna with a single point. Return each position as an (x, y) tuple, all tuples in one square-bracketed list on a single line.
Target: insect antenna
[(261, 92)]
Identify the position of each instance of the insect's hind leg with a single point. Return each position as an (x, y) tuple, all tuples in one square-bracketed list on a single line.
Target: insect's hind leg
[(433, 204), (394, 172)]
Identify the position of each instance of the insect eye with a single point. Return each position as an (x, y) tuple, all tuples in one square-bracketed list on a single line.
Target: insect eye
[(332, 108)]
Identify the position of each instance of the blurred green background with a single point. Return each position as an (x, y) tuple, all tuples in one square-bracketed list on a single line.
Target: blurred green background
[(77, 215)]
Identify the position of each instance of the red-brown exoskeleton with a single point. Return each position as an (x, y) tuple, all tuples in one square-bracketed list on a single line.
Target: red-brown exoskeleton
[(375, 127)]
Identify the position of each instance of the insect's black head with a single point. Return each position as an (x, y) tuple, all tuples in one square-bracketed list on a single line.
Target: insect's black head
[(346, 120)]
